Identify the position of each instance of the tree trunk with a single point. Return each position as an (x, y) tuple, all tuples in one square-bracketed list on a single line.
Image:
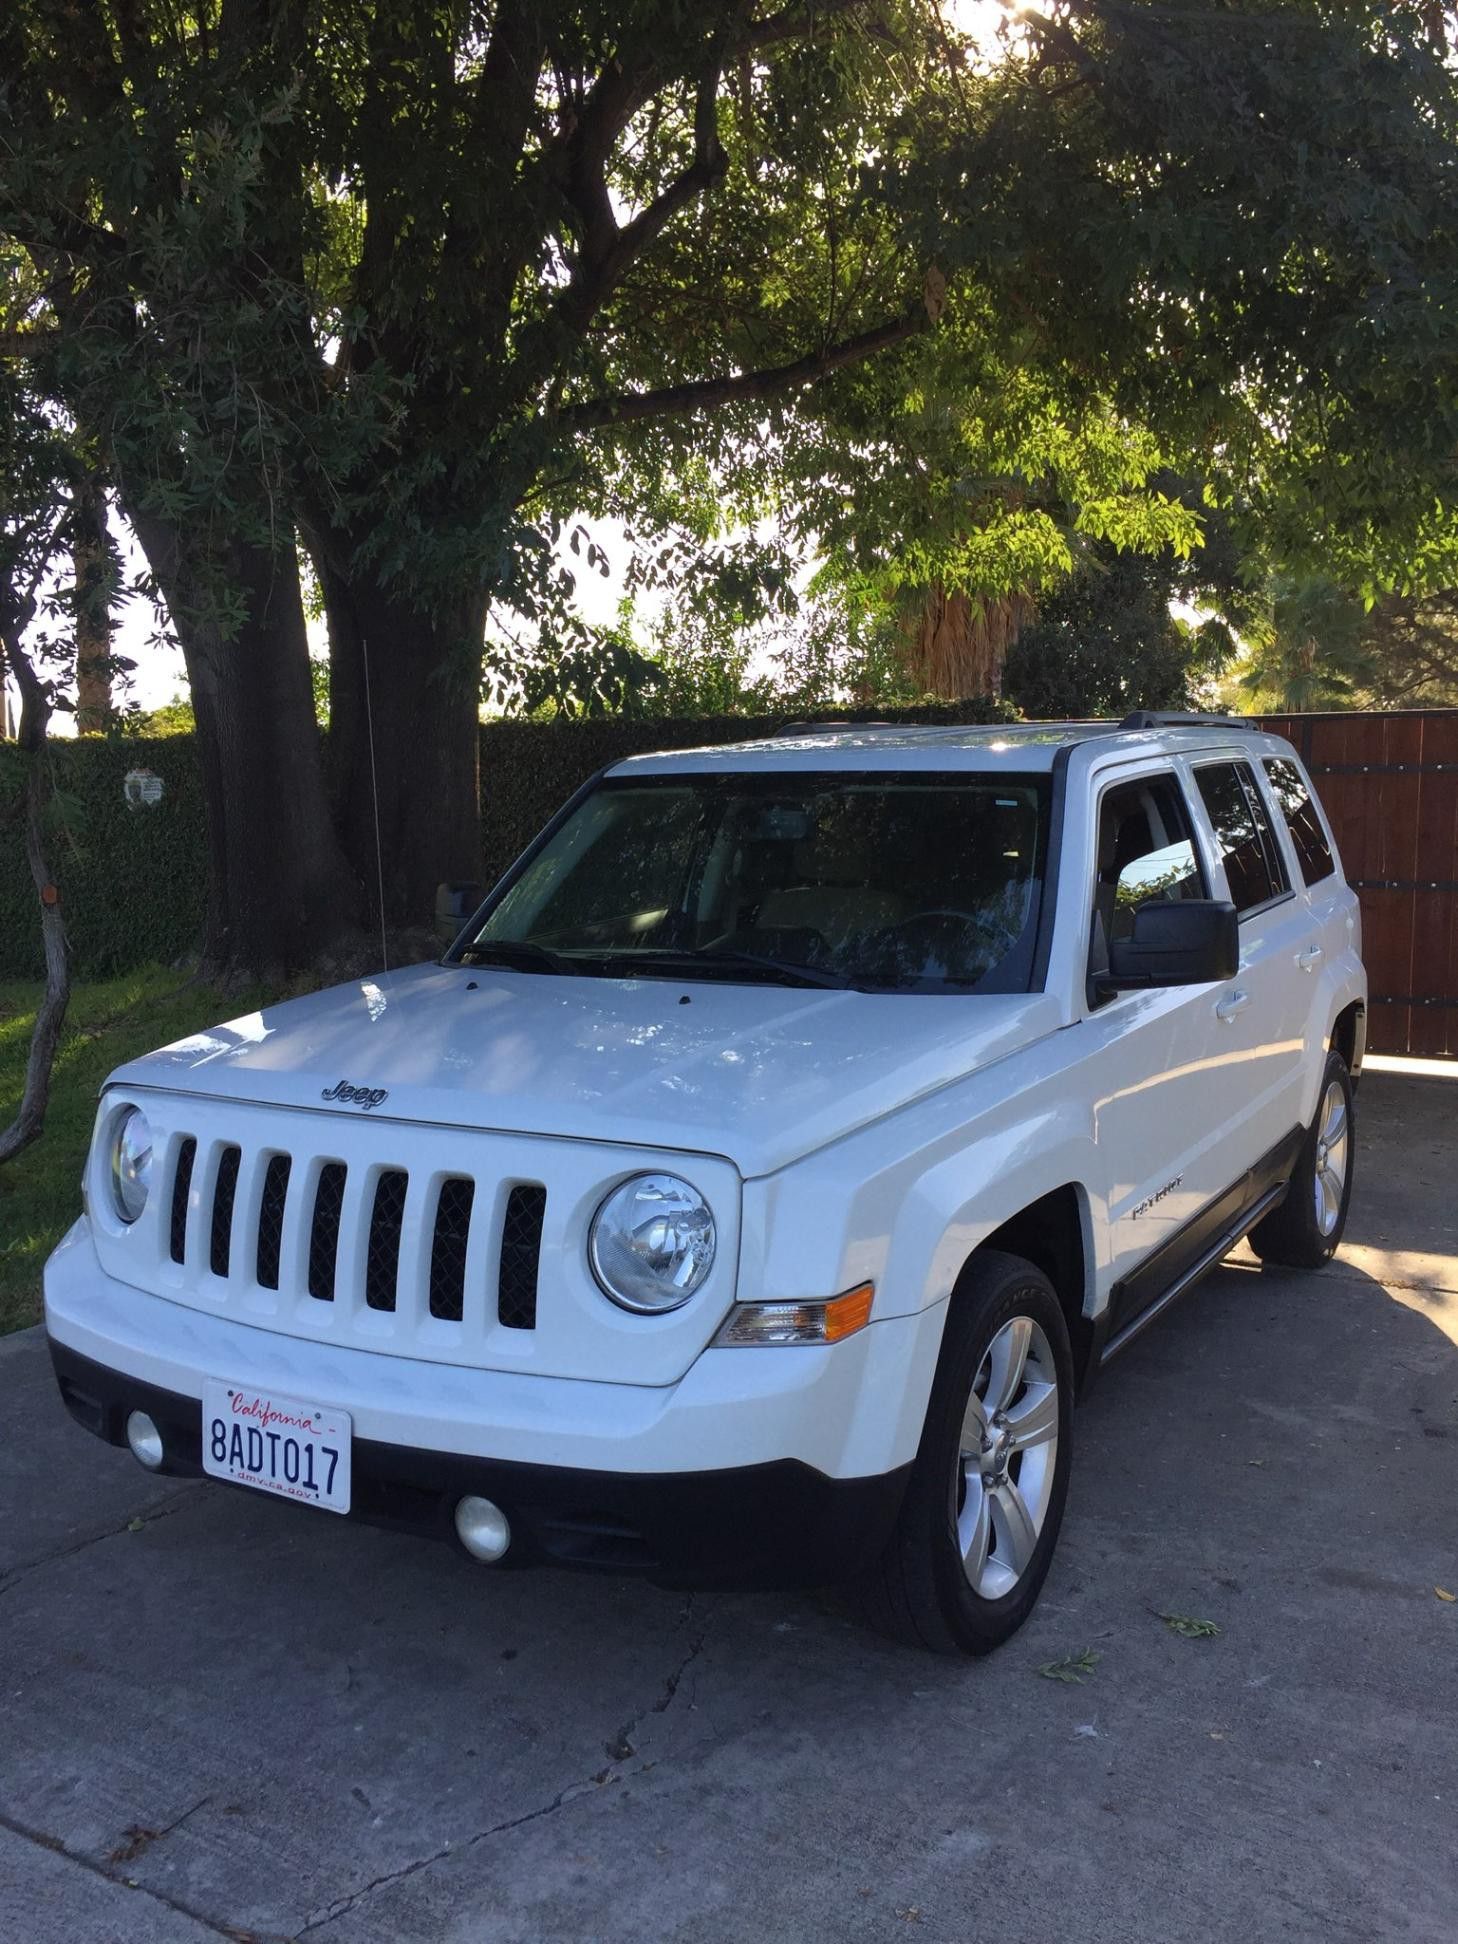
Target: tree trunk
[(93, 612), (956, 649), (281, 896), (404, 723), (30, 1117)]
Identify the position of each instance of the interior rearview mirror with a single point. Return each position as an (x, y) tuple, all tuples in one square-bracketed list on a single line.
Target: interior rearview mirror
[(1193, 942)]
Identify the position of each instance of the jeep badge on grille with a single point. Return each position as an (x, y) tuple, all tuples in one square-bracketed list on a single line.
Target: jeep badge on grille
[(365, 1097)]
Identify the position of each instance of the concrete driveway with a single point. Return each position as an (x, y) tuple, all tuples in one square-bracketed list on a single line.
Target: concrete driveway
[(221, 1717)]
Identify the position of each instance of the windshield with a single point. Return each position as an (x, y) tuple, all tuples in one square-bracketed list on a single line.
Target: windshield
[(922, 883)]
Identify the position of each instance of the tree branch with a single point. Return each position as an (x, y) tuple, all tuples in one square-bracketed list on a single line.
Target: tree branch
[(28, 341), (609, 249), (792, 22), (631, 408), (623, 86)]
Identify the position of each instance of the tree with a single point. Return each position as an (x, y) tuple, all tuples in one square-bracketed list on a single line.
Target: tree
[(1410, 651), (1304, 645), (412, 279), (1107, 643), (42, 482)]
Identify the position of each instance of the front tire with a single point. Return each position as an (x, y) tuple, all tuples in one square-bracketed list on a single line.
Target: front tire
[(1303, 1233), (980, 1519)]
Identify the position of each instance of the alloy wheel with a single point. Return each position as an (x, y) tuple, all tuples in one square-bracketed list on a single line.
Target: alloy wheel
[(1007, 1458), (1333, 1135)]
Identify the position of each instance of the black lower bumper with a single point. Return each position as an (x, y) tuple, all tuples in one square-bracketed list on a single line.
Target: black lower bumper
[(779, 1524)]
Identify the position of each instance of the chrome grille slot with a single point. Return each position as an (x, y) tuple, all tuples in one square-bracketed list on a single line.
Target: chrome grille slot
[(521, 1248), (382, 1262), (181, 1188), (448, 1249), (324, 1235), (224, 1192), (271, 1219)]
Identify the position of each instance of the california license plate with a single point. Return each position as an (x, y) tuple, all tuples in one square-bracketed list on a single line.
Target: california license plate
[(276, 1444)]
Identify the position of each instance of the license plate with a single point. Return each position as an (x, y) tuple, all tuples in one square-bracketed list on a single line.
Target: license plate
[(276, 1444)]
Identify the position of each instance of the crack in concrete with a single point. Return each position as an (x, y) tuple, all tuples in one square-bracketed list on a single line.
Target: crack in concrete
[(232, 1932), (342, 1906), (163, 1509), (1339, 1271), (620, 1748), (604, 1778)]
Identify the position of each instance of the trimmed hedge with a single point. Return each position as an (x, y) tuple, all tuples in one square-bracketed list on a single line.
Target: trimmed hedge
[(133, 880)]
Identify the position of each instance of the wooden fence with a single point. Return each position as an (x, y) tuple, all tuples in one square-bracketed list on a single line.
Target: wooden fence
[(1390, 787)]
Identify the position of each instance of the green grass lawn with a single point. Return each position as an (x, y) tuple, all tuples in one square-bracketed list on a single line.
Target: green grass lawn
[(109, 1021)]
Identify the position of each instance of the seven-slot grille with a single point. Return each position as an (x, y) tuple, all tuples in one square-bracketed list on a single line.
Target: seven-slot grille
[(455, 1205)]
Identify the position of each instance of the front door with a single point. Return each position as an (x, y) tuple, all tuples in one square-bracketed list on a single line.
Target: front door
[(1170, 1109)]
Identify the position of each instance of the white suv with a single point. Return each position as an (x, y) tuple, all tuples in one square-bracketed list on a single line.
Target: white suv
[(750, 1190)]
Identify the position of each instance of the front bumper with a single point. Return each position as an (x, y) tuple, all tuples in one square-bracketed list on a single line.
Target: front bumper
[(773, 1524), (758, 1466)]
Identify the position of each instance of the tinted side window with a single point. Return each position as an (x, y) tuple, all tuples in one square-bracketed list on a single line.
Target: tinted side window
[(1302, 821), (1243, 830), (1146, 852)]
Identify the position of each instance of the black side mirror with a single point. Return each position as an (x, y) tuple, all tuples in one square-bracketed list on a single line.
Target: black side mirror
[(1193, 942)]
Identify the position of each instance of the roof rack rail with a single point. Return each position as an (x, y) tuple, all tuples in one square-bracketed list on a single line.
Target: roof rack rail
[(838, 722), (1175, 719)]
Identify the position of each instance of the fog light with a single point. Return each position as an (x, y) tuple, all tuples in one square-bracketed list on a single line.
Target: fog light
[(481, 1528), (145, 1441)]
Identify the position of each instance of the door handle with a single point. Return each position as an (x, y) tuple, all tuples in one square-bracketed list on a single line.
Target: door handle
[(1228, 1008), (1310, 958)]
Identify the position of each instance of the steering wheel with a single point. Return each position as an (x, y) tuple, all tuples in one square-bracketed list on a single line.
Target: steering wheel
[(938, 912), (993, 940)]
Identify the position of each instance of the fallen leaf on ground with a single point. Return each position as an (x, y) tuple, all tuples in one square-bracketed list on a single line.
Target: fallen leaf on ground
[(1189, 1628), (1072, 1667), (138, 1837)]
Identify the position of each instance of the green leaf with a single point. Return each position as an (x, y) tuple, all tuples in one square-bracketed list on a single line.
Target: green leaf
[(1073, 1667), (1188, 1628)]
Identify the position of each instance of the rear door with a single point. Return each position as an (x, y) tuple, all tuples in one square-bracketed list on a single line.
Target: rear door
[(1329, 904)]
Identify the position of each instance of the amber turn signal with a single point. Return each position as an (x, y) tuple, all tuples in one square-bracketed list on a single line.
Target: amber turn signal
[(780, 1323)]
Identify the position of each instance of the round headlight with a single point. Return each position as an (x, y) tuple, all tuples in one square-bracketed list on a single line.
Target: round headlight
[(131, 1163), (651, 1243)]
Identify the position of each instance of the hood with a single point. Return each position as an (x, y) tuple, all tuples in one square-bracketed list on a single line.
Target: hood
[(762, 1074)]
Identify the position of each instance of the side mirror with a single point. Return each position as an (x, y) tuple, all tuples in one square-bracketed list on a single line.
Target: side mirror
[(1193, 942)]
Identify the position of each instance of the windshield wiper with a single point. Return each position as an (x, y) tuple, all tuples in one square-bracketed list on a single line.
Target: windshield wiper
[(814, 975), (518, 954), (691, 962)]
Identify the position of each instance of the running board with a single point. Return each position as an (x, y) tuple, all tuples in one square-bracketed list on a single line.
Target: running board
[(1217, 1251)]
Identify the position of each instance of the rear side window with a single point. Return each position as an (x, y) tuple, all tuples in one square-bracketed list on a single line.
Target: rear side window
[(1243, 831), (1312, 849)]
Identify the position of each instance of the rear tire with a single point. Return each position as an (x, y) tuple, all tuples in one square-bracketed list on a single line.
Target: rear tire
[(977, 1528), (1303, 1233)]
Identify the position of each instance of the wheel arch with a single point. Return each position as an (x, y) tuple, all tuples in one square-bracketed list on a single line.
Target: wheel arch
[(1054, 1233), (1349, 1036)]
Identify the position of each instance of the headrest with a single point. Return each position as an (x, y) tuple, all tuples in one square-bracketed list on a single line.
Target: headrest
[(836, 852)]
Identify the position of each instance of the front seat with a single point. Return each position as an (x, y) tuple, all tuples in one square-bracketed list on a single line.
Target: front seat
[(831, 896)]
